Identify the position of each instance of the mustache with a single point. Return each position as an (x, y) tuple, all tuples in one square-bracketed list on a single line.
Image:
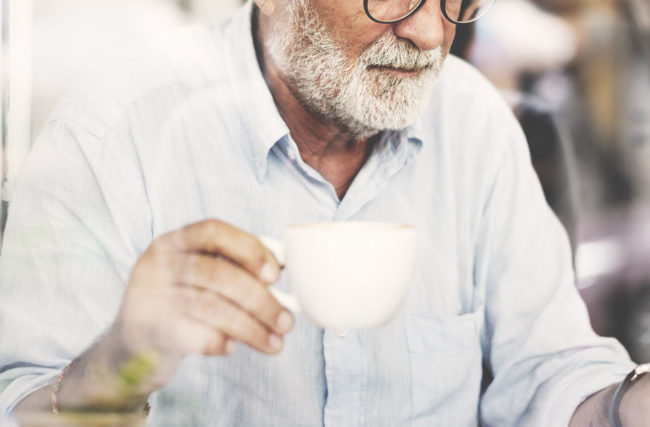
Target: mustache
[(389, 51)]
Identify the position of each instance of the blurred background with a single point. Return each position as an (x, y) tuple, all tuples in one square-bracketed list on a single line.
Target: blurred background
[(576, 72)]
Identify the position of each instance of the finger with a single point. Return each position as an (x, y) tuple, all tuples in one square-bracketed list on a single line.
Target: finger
[(217, 312), (216, 237), (195, 337), (238, 286)]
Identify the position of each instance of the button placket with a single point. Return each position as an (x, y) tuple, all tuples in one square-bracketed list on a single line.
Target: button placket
[(342, 333), (346, 375)]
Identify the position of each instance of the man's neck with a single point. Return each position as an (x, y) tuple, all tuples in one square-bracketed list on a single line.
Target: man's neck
[(324, 145)]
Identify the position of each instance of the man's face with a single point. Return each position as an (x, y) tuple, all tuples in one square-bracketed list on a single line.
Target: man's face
[(363, 76), (350, 27)]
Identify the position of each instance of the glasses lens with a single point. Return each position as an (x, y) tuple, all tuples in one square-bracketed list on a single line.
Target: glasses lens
[(391, 10), (463, 11)]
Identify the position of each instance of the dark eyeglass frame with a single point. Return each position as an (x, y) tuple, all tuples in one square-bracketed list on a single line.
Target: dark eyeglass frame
[(443, 9)]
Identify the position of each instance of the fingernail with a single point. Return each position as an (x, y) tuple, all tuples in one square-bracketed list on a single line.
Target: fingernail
[(275, 342), (231, 345), (269, 273), (285, 321)]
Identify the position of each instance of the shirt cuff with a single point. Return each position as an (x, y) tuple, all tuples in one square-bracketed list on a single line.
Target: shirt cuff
[(23, 386), (575, 389)]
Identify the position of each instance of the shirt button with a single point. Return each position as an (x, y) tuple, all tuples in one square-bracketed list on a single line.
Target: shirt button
[(291, 154), (342, 332)]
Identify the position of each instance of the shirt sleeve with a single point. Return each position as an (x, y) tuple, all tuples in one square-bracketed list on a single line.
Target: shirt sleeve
[(537, 340), (76, 224)]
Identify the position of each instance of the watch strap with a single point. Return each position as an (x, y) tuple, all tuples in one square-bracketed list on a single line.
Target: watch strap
[(630, 379)]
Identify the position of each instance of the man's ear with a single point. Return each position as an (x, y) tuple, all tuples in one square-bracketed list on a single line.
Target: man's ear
[(266, 6)]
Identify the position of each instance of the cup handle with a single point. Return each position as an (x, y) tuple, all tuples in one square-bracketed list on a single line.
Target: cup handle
[(288, 300)]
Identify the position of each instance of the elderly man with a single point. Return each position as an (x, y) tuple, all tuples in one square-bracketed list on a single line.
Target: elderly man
[(295, 111)]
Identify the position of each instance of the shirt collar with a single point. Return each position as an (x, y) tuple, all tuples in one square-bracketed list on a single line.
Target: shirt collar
[(261, 120), (415, 133)]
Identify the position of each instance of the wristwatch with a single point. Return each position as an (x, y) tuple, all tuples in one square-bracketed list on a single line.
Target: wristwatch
[(630, 379)]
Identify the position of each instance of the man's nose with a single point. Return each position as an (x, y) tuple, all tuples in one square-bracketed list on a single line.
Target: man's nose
[(425, 28)]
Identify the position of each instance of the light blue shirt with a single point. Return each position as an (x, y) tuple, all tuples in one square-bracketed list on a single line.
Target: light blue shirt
[(189, 131)]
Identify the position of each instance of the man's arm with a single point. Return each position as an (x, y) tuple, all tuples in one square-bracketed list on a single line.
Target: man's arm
[(74, 234), (634, 410), (197, 290), (101, 379), (539, 344)]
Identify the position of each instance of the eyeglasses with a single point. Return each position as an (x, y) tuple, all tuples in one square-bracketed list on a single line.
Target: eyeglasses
[(455, 11)]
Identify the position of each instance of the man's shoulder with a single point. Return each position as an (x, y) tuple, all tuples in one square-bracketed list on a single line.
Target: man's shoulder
[(456, 65), (463, 92), (461, 79), (464, 96), (171, 66), (468, 118)]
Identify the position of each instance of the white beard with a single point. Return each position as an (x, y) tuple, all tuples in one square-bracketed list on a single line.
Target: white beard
[(358, 97)]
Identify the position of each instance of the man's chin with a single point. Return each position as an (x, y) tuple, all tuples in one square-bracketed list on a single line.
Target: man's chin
[(373, 123), (396, 108)]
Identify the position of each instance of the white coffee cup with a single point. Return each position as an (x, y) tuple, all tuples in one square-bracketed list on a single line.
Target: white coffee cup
[(346, 275)]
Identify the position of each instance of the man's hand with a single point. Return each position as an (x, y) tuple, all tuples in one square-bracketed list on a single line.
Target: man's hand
[(197, 290)]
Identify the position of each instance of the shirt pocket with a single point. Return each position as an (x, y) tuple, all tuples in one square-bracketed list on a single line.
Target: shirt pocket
[(445, 357)]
